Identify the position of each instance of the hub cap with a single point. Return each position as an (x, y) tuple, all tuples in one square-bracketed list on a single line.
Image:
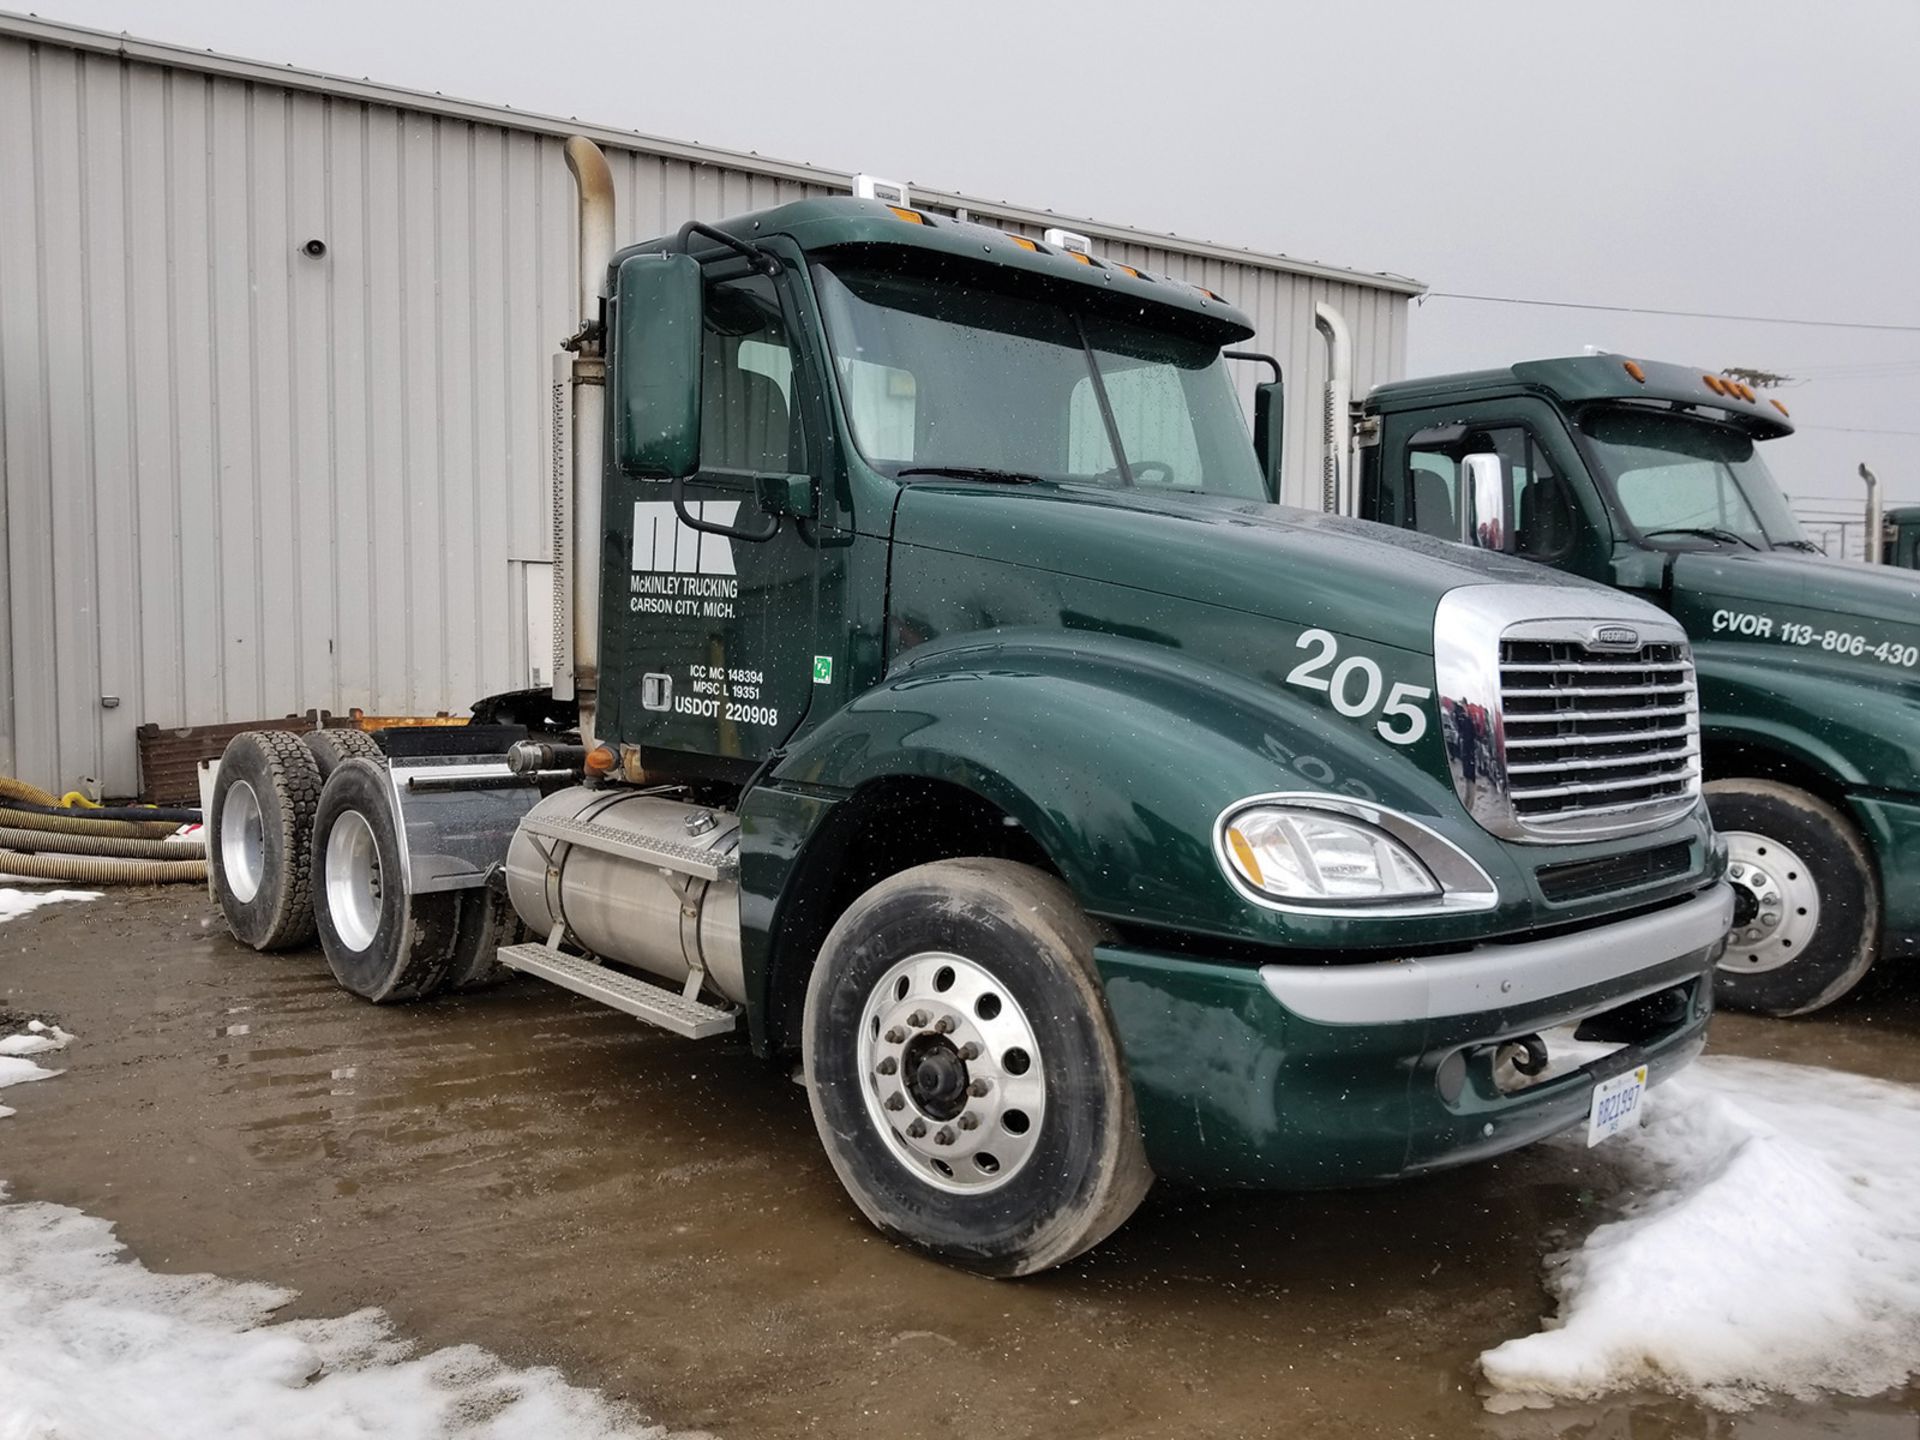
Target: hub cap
[(1776, 905), (243, 841), (952, 1072), (353, 880)]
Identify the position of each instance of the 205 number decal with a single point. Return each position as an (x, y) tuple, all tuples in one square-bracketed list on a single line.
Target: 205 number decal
[(1356, 685)]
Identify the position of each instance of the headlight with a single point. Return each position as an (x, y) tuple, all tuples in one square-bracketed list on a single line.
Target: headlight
[(1307, 855)]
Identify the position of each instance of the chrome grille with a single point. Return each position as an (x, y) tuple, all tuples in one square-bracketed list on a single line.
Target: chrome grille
[(1597, 733)]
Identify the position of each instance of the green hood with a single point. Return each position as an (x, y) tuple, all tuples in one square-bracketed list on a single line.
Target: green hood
[(1772, 597), (1272, 561)]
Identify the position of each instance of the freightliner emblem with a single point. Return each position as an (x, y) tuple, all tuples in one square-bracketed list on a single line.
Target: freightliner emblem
[(1614, 637)]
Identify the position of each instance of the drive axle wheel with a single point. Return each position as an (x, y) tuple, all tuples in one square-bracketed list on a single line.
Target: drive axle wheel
[(382, 942), (963, 1070), (259, 829), (1806, 918)]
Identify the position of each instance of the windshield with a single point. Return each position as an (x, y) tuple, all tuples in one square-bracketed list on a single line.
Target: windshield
[(1679, 481), (939, 377)]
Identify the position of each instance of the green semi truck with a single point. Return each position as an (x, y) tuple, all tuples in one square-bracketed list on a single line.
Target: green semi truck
[(952, 709), (1649, 478)]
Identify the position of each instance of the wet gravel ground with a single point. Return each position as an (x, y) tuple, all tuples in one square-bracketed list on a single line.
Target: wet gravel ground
[(529, 1172)]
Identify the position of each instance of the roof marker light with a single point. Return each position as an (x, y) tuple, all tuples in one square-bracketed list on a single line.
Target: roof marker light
[(872, 187), (1022, 241), (1781, 408), (1070, 241), (913, 217), (1632, 367), (1717, 385)]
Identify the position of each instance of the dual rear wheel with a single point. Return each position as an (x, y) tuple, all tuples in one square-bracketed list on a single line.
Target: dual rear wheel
[(302, 842)]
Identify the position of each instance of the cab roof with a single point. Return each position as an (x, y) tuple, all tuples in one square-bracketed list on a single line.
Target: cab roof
[(1583, 379), (846, 223)]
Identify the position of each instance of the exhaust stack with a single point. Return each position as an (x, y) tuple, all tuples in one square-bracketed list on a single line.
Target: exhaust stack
[(1336, 418), (1876, 545), (577, 570)]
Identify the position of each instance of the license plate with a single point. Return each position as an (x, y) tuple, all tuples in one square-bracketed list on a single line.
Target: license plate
[(1616, 1104)]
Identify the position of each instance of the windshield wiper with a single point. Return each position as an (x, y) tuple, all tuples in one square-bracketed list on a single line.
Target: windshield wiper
[(973, 472), (1806, 545), (1706, 532)]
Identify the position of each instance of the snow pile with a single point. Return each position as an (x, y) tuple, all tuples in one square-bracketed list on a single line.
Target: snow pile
[(95, 1347), (15, 903), (1774, 1248), (15, 1068)]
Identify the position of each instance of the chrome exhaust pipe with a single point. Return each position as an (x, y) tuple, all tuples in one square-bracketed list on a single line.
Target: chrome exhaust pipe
[(593, 178), (1336, 416)]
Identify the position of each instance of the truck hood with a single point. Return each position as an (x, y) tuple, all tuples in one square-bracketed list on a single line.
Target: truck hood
[(1299, 566), (1858, 596)]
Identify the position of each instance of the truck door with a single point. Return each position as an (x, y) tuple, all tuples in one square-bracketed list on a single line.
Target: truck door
[(708, 630), (1418, 478)]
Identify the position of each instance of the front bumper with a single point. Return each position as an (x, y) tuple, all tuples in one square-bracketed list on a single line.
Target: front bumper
[(1299, 1076)]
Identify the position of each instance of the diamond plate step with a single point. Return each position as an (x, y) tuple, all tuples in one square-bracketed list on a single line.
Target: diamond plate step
[(667, 854), (655, 1004)]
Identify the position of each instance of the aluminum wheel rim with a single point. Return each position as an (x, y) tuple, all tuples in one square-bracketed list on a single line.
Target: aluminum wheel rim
[(1778, 904), (353, 880), (243, 841), (929, 1014)]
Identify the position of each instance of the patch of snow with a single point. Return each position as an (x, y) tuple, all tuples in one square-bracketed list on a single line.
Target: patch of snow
[(14, 903), (94, 1346), (40, 1038), (1773, 1248)]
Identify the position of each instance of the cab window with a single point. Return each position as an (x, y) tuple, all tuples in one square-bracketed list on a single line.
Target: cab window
[(1426, 494), (747, 418)]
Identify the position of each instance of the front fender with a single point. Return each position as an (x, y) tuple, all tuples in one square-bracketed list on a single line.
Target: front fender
[(1117, 756), (1863, 729)]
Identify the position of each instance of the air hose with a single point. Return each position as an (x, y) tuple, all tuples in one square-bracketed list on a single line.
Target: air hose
[(92, 870), (60, 844), (81, 808)]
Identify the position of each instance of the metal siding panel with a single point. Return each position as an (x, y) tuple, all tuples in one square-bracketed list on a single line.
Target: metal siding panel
[(227, 232), (303, 471), (455, 536), (385, 520), (496, 642), (352, 649)]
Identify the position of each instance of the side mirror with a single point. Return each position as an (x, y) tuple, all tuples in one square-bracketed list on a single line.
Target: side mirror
[(1483, 510), (1270, 430), (656, 368)]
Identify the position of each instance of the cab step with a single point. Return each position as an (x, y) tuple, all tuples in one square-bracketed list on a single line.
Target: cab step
[(654, 1004), (666, 854)]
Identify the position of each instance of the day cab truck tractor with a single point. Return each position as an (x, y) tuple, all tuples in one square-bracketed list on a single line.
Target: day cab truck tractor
[(1649, 478), (957, 713)]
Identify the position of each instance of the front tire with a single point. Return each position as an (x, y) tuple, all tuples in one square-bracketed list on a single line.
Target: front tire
[(963, 1070), (382, 942), (1806, 926)]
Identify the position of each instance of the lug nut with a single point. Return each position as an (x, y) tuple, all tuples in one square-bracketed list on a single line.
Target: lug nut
[(896, 1035), (945, 1136), (917, 1020), (969, 1121), (977, 1088), (1769, 920), (917, 1129), (944, 1025), (896, 1102), (969, 1051), (888, 1066), (1736, 871)]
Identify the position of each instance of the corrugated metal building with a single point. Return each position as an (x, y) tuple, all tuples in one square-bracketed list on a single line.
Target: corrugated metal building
[(242, 479)]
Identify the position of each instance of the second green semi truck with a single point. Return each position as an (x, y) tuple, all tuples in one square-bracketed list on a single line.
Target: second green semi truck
[(1649, 478), (949, 707)]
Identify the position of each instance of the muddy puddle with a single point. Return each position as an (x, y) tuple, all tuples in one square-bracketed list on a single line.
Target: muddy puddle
[(528, 1172)]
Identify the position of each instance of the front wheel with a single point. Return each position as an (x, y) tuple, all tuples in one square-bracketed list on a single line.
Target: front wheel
[(963, 1070), (1806, 920)]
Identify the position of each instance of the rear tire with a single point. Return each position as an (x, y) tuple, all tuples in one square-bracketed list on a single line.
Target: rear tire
[(259, 831), (1806, 926), (963, 1071), (382, 942), (330, 747)]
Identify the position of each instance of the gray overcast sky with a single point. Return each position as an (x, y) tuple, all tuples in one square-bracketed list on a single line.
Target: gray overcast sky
[(1755, 158)]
